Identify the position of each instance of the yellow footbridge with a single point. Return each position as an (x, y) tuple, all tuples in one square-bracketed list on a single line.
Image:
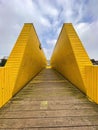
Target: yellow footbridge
[(62, 96)]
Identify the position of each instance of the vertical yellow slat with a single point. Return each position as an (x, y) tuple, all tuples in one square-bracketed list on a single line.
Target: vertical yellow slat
[(1, 85), (97, 86), (92, 75), (6, 85), (92, 82)]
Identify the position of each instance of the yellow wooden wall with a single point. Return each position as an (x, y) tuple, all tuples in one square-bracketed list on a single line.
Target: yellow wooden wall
[(92, 82), (24, 62), (70, 58)]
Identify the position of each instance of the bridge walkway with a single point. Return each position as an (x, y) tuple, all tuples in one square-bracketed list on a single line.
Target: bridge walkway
[(49, 102)]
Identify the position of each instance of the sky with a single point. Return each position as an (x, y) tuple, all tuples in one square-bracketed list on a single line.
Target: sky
[(48, 17)]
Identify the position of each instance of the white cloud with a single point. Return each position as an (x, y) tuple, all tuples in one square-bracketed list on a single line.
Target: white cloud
[(48, 53), (47, 8), (51, 42), (89, 36), (45, 22), (48, 17)]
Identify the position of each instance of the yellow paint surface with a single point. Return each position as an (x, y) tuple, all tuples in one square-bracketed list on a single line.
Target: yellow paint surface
[(92, 82), (44, 105), (70, 58), (25, 61)]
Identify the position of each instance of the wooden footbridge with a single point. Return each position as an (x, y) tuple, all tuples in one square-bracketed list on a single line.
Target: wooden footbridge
[(62, 96)]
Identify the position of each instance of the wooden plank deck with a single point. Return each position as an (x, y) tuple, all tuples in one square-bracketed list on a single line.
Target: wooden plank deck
[(49, 102)]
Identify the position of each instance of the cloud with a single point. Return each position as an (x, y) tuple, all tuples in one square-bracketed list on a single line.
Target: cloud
[(48, 52), (45, 22), (89, 34), (48, 17), (51, 42), (47, 8)]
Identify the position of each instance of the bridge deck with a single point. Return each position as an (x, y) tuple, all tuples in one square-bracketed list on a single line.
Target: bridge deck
[(49, 102)]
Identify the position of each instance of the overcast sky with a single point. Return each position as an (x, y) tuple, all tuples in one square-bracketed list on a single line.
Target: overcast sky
[(48, 17)]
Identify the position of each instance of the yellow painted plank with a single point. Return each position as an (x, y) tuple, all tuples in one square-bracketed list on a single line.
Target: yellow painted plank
[(92, 82), (1, 83)]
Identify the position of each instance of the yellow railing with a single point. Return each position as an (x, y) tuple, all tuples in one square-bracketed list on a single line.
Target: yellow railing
[(71, 60), (92, 82), (25, 61)]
